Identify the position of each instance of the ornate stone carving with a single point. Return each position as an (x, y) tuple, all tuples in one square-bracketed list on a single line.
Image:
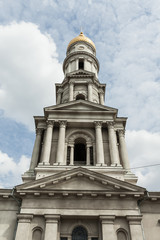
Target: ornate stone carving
[(50, 123), (121, 132), (39, 131), (98, 124), (60, 90), (101, 91), (62, 123), (110, 124)]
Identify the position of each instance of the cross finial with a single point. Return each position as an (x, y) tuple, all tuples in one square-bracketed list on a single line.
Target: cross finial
[(81, 29)]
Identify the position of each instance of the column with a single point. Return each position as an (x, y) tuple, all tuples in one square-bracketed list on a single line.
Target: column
[(90, 93), (42, 151), (24, 221), (123, 150), (77, 61), (135, 227), (65, 154), (36, 149), (113, 145), (108, 231), (59, 96), (61, 142), (99, 144), (69, 67), (101, 97), (51, 230), (48, 142), (72, 155), (71, 85), (88, 154)]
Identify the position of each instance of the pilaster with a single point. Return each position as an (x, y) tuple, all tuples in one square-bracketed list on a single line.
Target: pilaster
[(59, 96), (71, 86), (135, 227), (24, 221), (51, 230), (101, 93), (107, 223), (90, 92)]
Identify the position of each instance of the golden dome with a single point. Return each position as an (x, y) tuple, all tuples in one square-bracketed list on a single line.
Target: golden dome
[(81, 38)]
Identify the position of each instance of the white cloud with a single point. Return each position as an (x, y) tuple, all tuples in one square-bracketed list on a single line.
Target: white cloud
[(10, 171), (144, 150), (28, 70)]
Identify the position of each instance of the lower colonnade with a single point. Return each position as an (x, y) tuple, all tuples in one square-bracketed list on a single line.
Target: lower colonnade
[(52, 229)]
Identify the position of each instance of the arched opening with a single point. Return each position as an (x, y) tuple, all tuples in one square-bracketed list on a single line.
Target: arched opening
[(79, 233), (37, 234), (80, 97), (81, 64), (121, 235), (80, 152)]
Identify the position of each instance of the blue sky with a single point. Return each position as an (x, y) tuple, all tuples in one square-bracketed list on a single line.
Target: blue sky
[(33, 39)]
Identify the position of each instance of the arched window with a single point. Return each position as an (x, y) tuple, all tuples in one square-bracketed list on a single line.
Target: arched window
[(121, 234), (80, 97), (37, 234), (81, 64), (79, 233), (80, 152)]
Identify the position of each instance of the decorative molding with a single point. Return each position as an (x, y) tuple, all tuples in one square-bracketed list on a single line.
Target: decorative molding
[(50, 123), (88, 136), (111, 125), (60, 90), (134, 220), (39, 131), (50, 218), (121, 132), (62, 123), (24, 218), (107, 219), (98, 124)]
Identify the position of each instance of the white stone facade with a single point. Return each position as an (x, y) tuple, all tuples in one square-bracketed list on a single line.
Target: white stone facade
[(79, 185)]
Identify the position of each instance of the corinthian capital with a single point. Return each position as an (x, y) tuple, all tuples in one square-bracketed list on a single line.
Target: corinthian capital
[(98, 124), (39, 131), (60, 90), (62, 123), (110, 125), (121, 132), (50, 123)]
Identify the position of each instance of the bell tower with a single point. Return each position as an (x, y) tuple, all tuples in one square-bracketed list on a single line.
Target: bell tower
[(81, 69), (80, 131)]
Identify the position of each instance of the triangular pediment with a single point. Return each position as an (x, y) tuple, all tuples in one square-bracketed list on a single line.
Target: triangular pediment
[(79, 180), (80, 73), (81, 105)]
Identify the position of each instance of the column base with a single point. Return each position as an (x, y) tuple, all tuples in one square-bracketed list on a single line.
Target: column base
[(44, 163), (116, 165), (57, 164), (101, 164)]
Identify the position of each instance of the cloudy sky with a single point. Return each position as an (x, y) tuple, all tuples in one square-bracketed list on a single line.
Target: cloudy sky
[(33, 40)]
